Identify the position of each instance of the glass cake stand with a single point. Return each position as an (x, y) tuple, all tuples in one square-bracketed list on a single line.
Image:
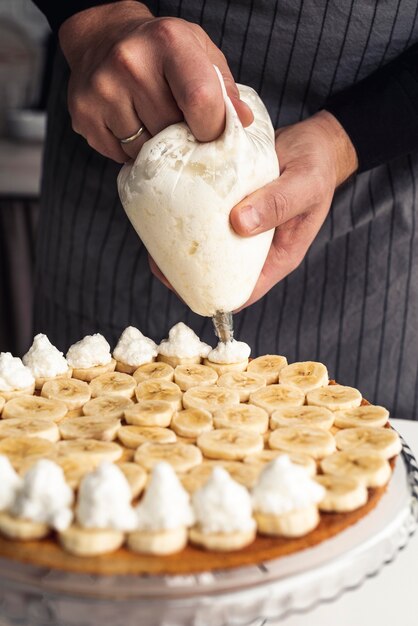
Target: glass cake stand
[(247, 596)]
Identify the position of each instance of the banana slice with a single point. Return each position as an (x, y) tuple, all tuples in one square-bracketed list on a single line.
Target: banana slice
[(181, 456), (133, 436), (17, 449), (90, 427), (160, 543), (197, 476), (127, 455), (21, 529), (90, 542), (160, 390), (367, 415), (268, 366), (188, 376), (75, 468), (74, 393), (2, 403), (368, 467), (317, 416), (229, 443), (127, 369), (343, 493), (88, 373), (18, 427), (175, 361), (113, 406), (190, 423), (305, 375), (136, 477), (246, 475), (210, 398), (113, 384), (96, 451), (154, 371), (150, 413), (244, 382), (15, 393), (265, 456), (222, 542), (34, 407), (334, 397), (292, 524), (223, 368), (383, 441), (316, 442), (275, 396), (41, 380), (244, 416)]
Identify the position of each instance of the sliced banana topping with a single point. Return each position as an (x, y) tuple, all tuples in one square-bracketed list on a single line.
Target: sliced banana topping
[(160, 390), (154, 371), (230, 443), (18, 449), (317, 416), (188, 376), (150, 413), (27, 427), (269, 366), (90, 427), (368, 467), (305, 375), (275, 396), (334, 397), (244, 416), (134, 436), (244, 382), (181, 456), (210, 398), (74, 393), (136, 477), (113, 384), (343, 493), (383, 441), (191, 423), (298, 458), (316, 442), (367, 415), (97, 451), (34, 407), (114, 406)]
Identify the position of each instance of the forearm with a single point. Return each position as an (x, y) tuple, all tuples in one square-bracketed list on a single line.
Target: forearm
[(380, 113)]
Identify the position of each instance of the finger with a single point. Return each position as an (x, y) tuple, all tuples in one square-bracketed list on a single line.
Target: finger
[(197, 92), (156, 106), (104, 142), (292, 194), (123, 122)]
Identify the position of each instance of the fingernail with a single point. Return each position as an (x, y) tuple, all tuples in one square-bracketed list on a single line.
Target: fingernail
[(249, 218)]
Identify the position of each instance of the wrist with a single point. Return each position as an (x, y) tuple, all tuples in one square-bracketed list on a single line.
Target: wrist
[(99, 24), (344, 155)]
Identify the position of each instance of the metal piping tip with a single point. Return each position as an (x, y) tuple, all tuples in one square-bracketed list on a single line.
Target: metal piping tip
[(223, 324)]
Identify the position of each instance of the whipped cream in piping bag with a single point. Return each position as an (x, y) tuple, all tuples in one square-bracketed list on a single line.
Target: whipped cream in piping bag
[(13, 374), (183, 342), (44, 496), (230, 352), (104, 500), (178, 195), (284, 486), (166, 504), (222, 505), (10, 483), (90, 351), (43, 359), (134, 349)]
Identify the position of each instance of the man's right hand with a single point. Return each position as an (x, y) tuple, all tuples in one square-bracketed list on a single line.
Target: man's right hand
[(129, 69)]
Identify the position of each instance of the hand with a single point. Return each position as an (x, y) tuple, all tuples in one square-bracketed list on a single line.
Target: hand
[(315, 156), (129, 69)]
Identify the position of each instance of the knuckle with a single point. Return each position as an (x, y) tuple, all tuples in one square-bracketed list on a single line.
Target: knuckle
[(167, 31), (101, 85), (123, 55), (199, 96), (278, 207)]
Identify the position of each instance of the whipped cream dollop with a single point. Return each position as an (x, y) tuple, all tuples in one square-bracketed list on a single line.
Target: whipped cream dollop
[(133, 348), (178, 195), (44, 496), (13, 374), (230, 352), (43, 359), (166, 504), (90, 351), (222, 505), (104, 500), (183, 342), (10, 483), (284, 486)]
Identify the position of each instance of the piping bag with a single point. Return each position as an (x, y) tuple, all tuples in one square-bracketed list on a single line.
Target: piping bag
[(178, 194)]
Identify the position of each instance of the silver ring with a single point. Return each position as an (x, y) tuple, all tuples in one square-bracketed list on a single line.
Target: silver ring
[(138, 133)]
